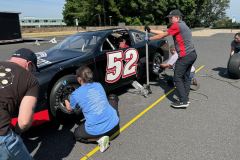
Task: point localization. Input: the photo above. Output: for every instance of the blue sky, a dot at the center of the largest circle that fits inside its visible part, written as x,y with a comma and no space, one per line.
53,8
234,10
34,8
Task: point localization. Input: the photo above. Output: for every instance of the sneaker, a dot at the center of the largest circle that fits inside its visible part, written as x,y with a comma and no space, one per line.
103,143
113,100
180,105
194,81
188,102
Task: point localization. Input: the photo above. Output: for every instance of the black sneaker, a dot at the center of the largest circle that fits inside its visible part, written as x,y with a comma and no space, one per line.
179,105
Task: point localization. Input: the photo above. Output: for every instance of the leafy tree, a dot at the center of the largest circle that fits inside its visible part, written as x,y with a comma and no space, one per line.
112,9
213,10
83,10
159,10
140,12
209,11
186,7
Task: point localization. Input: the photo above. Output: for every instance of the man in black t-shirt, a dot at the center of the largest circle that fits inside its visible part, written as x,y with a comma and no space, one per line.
235,45
18,97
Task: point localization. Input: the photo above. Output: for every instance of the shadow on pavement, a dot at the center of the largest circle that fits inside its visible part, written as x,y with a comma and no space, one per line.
222,72
55,141
50,141
165,81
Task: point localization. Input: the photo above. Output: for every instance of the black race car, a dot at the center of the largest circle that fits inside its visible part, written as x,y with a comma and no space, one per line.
113,64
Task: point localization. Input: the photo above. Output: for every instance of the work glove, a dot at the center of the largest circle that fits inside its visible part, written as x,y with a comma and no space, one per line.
147,40
147,28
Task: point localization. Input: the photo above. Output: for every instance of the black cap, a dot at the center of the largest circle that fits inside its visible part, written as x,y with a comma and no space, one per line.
28,55
175,12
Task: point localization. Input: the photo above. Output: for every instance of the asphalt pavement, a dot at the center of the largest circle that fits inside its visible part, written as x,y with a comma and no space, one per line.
208,129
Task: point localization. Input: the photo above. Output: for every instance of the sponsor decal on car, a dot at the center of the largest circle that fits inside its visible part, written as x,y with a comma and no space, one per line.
121,64
40,60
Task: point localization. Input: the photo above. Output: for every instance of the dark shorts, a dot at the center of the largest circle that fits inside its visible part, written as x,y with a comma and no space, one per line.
81,135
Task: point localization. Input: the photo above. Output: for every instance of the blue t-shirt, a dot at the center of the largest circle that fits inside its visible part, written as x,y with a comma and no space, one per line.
100,116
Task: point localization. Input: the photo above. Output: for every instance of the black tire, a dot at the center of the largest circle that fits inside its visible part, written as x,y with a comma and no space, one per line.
234,66
62,88
156,61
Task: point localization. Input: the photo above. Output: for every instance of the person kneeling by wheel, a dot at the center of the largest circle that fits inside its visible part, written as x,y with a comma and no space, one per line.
102,119
170,64
235,44
234,59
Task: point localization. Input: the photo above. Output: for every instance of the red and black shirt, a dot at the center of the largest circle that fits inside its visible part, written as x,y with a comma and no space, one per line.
182,37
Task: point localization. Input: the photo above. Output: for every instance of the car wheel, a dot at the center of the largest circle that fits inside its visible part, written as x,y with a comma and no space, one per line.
62,88
234,66
156,61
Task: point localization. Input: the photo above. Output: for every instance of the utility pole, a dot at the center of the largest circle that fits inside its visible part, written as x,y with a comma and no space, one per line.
110,20
76,22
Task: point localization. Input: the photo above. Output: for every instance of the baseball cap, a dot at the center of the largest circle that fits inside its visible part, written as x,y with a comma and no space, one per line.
28,55
175,12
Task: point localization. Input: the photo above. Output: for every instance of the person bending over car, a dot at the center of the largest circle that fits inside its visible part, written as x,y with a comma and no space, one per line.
101,118
171,65
18,96
235,45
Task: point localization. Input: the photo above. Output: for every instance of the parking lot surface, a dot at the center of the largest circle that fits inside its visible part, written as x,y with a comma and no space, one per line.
208,129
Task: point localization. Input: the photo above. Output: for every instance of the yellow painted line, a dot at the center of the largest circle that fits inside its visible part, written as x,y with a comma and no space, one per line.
199,68
92,152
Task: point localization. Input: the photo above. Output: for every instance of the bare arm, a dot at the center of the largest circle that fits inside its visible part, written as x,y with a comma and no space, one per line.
157,31
67,104
160,34
26,111
233,45
232,51
165,65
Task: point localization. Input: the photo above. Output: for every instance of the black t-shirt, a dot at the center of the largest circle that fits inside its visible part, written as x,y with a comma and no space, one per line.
235,46
15,83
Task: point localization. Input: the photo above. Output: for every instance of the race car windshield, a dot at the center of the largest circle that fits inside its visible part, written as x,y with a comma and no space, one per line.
81,43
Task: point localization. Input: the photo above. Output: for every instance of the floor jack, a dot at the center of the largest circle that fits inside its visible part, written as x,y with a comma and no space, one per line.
144,90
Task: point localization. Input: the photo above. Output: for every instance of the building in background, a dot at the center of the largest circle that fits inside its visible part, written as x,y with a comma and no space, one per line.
41,22
10,28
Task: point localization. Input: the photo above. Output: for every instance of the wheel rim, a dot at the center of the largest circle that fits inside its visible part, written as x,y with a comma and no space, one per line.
156,64
63,92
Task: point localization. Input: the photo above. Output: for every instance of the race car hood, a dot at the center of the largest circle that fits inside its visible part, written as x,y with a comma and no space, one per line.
56,56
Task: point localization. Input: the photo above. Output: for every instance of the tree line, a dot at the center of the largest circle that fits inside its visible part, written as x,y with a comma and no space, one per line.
140,12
